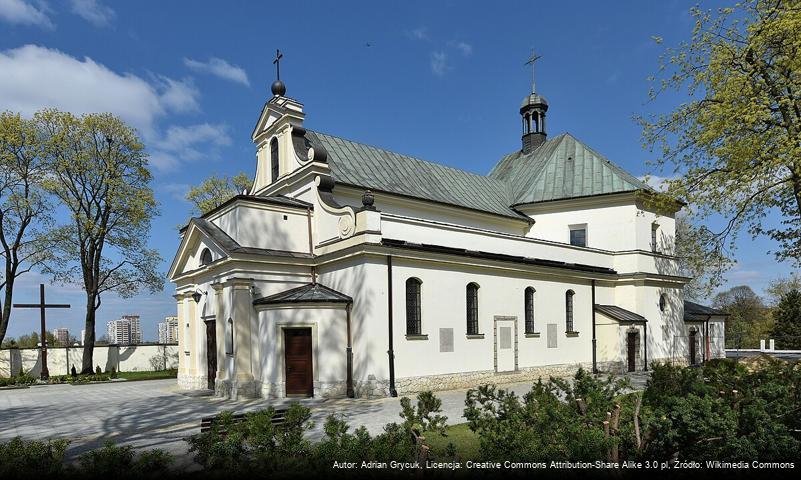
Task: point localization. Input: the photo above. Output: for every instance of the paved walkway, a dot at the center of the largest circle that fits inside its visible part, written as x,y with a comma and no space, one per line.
156,414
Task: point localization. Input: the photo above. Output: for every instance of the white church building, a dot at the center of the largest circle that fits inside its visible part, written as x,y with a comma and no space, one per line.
351,270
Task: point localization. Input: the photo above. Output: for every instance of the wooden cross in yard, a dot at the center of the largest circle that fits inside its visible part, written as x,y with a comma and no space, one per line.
42,306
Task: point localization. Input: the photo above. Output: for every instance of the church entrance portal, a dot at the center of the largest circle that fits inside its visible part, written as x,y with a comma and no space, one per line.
211,353
298,362
631,344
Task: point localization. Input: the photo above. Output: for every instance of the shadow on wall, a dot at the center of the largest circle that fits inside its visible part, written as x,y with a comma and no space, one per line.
60,360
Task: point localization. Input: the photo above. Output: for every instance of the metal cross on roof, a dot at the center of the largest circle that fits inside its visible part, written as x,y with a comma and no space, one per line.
534,57
277,63
42,306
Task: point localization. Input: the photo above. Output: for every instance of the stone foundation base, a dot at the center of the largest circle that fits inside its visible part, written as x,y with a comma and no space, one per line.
379,388
458,381
192,382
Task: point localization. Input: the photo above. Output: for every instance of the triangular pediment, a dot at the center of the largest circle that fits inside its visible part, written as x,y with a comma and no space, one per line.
194,241
277,108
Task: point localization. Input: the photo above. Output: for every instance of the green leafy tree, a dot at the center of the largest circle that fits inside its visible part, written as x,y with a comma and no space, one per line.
214,191
24,204
100,174
779,287
749,319
734,142
787,318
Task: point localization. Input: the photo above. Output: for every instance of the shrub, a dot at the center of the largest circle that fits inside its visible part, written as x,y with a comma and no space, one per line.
98,371
113,461
426,416
723,411
23,458
229,446
546,424
113,372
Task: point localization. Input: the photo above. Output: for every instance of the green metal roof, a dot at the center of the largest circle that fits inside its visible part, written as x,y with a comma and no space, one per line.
561,168
370,167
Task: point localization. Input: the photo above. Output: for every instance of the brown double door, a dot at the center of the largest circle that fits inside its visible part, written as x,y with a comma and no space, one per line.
211,353
298,362
632,351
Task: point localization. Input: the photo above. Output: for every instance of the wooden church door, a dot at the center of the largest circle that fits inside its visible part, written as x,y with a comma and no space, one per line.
211,353
632,351
298,362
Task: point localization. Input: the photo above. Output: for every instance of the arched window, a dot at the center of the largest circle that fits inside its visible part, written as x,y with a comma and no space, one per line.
472,309
205,257
569,310
274,160
529,308
413,315
662,302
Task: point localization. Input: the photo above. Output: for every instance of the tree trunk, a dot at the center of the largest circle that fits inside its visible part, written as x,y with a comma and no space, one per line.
5,316
89,341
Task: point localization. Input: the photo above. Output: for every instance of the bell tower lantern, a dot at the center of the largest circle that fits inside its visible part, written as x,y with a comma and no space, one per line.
533,111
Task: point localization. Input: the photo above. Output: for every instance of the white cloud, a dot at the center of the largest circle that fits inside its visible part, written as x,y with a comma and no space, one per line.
656,182
419,33
34,77
28,82
220,68
181,144
93,12
24,13
179,96
465,48
439,63
177,191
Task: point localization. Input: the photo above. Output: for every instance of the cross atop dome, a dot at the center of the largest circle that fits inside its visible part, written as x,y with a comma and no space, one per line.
278,88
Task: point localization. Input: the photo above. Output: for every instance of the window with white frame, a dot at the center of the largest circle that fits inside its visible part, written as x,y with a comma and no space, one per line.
578,235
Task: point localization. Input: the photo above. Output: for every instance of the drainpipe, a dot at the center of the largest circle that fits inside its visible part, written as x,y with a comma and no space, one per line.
349,353
391,352
645,345
311,246
594,340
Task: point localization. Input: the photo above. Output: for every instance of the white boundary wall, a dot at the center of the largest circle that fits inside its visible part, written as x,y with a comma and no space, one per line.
128,358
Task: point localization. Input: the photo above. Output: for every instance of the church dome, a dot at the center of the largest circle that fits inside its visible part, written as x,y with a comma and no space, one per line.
278,88
533,100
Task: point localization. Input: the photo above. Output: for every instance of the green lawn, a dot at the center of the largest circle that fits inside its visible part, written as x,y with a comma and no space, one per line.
466,442
135,376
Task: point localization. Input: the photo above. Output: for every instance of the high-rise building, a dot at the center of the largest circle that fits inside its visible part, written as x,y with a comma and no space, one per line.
168,330
61,336
125,331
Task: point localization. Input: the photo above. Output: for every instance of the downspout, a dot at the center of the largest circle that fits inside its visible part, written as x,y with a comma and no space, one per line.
645,345
349,353
311,246
391,352
594,340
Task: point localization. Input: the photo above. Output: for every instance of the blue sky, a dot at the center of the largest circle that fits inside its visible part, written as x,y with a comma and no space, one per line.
438,80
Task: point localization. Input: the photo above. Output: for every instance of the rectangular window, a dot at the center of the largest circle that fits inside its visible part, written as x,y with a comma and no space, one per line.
654,231
578,235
